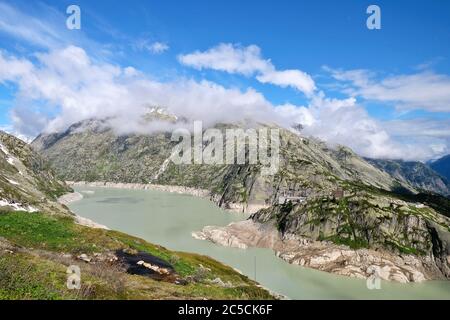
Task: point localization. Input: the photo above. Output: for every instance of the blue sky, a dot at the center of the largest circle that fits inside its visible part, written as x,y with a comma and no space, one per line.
391,86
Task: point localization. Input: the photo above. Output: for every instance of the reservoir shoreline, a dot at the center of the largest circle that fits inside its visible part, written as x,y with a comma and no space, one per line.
321,256
139,186
169,219
201,193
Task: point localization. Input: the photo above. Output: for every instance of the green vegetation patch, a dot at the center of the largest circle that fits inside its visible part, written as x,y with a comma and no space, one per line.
22,279
24,276
39,231
54,233
42,275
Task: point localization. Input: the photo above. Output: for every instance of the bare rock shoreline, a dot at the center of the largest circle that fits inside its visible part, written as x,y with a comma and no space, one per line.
202,193
324,256
137,186
70,197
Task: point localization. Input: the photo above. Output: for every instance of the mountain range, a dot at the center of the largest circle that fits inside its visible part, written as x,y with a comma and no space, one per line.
417,174
92,151
320,193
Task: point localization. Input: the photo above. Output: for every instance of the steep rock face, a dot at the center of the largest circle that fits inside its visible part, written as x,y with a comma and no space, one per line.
91,151
365,229
324,256
368,219
442,166
26,180
416,174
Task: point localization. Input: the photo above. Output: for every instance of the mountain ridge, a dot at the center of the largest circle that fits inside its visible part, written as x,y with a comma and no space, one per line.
417,174
97,153
442,166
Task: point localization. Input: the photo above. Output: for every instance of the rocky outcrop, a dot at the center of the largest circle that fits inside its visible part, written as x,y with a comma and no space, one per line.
325,256
370,219
358,233
440,238
241,235
26,181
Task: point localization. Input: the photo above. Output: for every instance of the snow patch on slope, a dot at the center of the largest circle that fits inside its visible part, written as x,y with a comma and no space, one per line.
10,159
13,182
17,206
4,150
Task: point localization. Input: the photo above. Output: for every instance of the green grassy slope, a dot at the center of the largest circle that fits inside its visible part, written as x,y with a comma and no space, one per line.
36,249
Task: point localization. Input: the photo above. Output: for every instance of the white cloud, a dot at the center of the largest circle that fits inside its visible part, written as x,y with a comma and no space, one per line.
80,88
65,86
229,58
12,68
289,78
344,122
156,47
347,123
425,90
431,128
430,137
248,61
25,27
10,130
